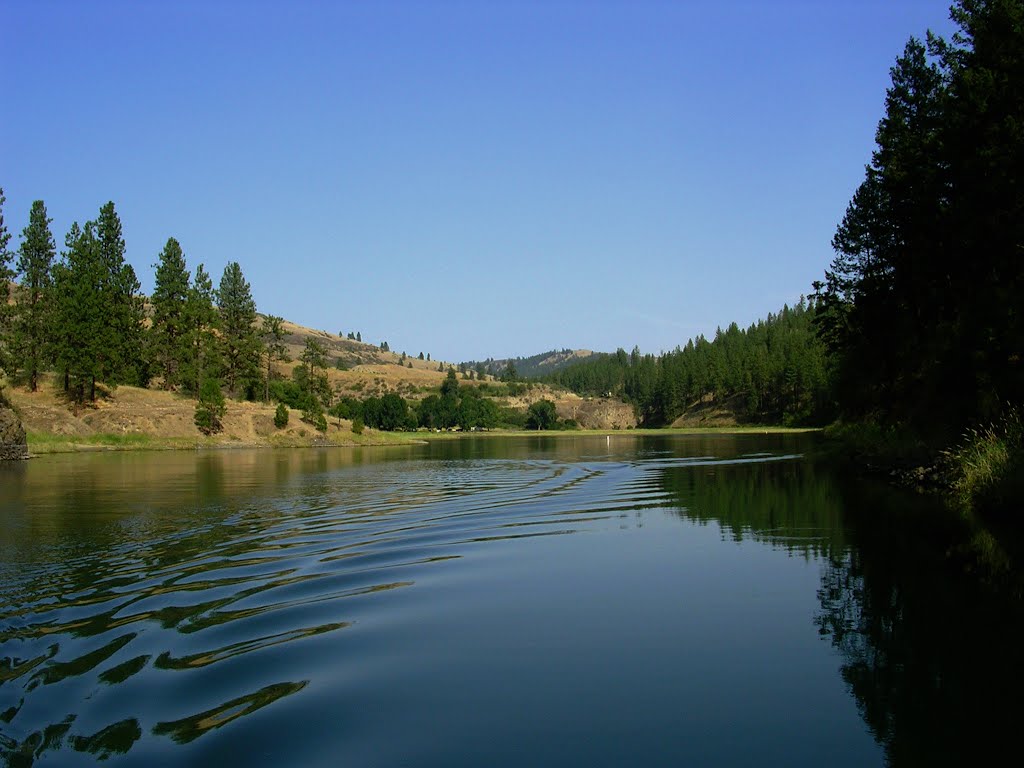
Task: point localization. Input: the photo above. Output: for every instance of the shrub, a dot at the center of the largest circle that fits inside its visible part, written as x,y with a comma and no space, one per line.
986,470
314,416
281,416
357,425
211,408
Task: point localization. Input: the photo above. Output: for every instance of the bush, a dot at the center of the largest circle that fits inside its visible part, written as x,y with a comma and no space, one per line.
211,407
986,471
281,416
314,416
357,426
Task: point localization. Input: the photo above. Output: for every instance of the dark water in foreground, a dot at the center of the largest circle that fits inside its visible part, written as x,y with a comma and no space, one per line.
580,601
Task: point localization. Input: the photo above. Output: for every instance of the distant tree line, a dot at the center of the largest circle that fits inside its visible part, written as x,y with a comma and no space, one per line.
535,366
777,366
466,408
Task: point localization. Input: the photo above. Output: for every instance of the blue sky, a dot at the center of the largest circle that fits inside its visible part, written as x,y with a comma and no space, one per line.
468,179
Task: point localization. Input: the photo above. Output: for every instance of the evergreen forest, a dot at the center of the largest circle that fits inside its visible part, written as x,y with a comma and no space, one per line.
776,369
922,308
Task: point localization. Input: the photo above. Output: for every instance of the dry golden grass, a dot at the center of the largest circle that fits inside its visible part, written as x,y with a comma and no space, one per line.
133,418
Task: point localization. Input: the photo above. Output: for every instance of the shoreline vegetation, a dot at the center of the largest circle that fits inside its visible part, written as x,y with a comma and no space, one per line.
42,443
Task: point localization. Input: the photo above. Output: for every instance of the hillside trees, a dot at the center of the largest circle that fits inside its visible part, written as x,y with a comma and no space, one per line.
169,338
240,344
778,367
921,305
311,376
33,307
272,333
6,275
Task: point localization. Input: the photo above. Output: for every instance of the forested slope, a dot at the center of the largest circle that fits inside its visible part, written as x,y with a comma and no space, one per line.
777,365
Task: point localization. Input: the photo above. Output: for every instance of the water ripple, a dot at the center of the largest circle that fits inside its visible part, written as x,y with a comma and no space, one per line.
218,598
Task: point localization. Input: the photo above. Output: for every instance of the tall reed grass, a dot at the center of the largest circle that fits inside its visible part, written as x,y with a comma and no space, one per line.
986,470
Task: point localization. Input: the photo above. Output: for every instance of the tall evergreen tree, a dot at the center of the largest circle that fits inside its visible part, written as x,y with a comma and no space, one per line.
201,359
314,384
79,312
6,275
33,306
921,305
120,350
240,344
169,339
272,332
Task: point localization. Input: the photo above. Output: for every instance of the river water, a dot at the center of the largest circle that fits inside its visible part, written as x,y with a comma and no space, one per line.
622,600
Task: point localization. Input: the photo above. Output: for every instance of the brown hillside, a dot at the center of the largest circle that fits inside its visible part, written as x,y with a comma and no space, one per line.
165,418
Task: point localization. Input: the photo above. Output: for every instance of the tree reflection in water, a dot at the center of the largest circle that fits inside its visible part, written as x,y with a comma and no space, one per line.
923,605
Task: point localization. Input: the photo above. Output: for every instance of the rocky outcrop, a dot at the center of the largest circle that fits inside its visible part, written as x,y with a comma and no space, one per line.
13,445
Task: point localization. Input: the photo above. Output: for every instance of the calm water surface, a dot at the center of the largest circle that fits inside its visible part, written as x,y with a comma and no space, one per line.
577,601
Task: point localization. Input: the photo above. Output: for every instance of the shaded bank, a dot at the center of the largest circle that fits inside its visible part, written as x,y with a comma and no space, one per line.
13,445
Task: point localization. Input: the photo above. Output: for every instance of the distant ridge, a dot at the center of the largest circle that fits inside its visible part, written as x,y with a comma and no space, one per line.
535,366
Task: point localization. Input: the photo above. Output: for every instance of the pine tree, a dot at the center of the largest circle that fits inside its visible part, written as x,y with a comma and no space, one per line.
210,408
314,358
120,342
201,359
273,348
79,312
33,307
921,304
169,337
240,344
281,416
6,275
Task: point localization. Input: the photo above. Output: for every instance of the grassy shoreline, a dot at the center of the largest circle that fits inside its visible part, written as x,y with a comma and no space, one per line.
725,430
43,443
982,472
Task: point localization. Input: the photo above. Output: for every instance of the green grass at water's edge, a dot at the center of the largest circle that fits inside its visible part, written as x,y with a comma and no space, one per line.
620,432
45,443
40,443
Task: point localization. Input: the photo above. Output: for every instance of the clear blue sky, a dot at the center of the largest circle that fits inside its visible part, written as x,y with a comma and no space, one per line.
468,179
